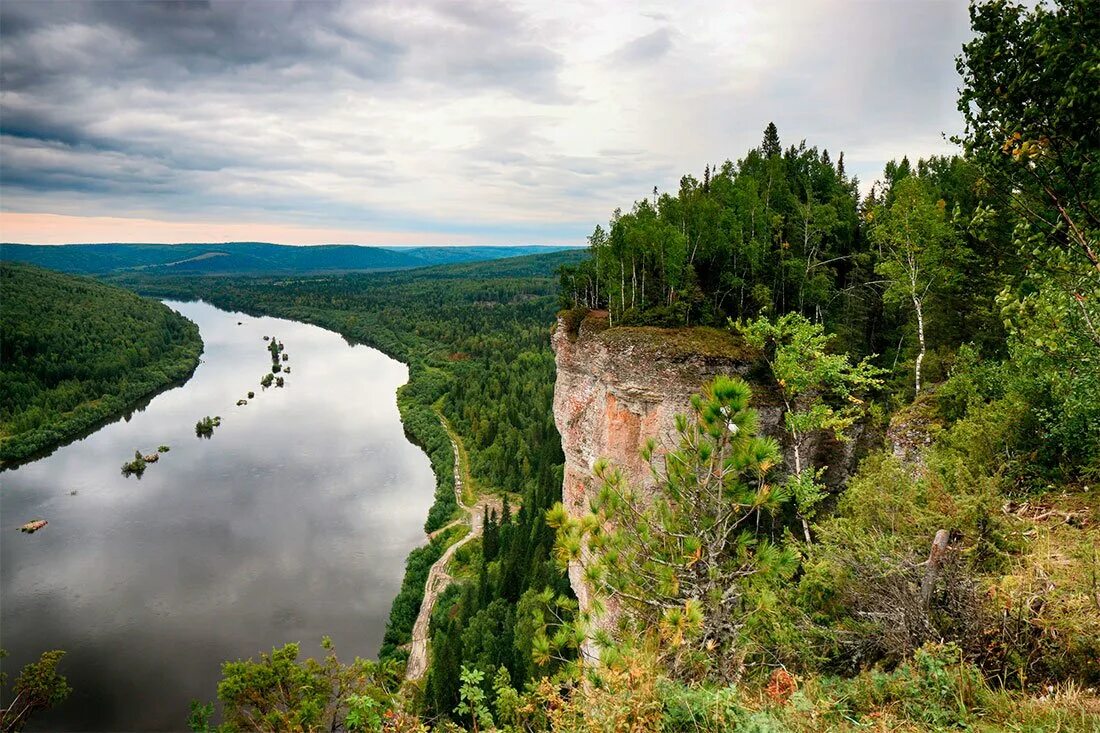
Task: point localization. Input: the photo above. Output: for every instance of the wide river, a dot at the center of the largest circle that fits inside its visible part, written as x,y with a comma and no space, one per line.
292,522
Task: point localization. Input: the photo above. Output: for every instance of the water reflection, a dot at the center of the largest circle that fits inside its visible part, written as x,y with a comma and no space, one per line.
292,522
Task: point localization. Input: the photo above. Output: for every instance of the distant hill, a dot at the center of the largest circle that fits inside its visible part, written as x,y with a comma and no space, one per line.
457,255
248,258
542,264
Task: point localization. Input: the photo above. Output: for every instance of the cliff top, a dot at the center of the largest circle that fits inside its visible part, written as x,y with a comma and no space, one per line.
669,343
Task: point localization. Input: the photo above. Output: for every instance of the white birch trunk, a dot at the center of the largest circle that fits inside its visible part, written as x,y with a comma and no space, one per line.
919,306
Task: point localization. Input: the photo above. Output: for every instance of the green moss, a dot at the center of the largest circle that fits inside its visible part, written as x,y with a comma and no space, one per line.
571,319
700,341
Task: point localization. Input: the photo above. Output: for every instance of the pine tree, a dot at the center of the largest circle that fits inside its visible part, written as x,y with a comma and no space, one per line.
678,562
770,147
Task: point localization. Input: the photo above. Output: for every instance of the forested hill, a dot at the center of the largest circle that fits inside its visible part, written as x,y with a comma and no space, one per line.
74,352
246,258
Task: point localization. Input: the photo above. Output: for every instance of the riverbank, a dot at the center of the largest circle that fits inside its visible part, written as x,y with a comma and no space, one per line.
418,402
477,336
474,507
79,354
227,547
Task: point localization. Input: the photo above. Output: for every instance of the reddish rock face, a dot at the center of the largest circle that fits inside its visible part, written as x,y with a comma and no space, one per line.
618,388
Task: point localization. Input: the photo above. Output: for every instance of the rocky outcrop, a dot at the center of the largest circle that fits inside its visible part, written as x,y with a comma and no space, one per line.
618,387
913,429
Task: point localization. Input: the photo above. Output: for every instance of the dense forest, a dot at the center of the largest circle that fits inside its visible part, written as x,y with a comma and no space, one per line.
951,583
76,352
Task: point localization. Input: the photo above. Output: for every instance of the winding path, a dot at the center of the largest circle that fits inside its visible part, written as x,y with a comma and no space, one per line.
438,578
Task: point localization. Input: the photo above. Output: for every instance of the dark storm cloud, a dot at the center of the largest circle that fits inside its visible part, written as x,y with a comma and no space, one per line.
165,42
176,85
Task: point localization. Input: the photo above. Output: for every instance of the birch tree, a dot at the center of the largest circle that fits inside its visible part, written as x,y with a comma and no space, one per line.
912,234
821,391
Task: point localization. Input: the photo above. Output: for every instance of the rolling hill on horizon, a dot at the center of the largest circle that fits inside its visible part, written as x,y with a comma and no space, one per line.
250,258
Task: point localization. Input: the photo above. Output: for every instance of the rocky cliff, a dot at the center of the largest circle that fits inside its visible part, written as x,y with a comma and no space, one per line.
617,387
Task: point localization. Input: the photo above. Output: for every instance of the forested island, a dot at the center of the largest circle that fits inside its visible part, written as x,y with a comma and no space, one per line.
76,352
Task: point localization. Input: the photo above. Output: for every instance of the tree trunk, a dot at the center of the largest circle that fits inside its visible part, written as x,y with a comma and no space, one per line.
633,280
933,566
597,277
622,283
919,306
798,472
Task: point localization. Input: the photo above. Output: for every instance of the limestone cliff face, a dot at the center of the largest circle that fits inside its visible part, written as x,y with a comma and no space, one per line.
618,387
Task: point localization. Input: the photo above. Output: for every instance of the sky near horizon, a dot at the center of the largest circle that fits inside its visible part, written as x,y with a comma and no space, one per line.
438,122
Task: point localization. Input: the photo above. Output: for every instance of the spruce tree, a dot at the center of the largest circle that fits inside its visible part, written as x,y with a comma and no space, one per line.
770,146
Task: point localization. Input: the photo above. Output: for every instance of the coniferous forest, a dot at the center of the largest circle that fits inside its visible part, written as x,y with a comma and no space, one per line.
947,320
76,352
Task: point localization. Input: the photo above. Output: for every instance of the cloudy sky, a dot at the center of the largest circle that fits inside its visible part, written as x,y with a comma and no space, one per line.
442,122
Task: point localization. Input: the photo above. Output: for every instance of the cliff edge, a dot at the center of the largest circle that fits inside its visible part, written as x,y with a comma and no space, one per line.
617,387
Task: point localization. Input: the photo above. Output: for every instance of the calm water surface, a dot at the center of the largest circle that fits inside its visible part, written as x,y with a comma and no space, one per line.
292,522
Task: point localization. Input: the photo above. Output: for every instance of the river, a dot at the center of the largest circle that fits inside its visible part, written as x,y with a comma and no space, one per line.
292,522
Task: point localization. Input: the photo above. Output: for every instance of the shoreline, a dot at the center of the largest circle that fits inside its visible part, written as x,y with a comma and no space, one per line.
90,417
421,426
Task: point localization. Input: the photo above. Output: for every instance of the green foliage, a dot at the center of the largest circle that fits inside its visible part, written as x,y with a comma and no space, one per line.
1030,101
774,232
135,467
280,693
76,352
38,687
472,699
406,605
205,428
364,713
821,391
917,245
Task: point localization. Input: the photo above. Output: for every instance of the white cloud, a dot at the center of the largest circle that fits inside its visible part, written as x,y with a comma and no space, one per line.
521,122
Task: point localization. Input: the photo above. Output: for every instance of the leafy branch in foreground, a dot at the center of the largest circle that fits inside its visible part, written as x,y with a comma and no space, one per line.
38,687
821,391
281,693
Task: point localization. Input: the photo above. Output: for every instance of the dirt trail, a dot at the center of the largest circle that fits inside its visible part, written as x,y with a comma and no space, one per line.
438,579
